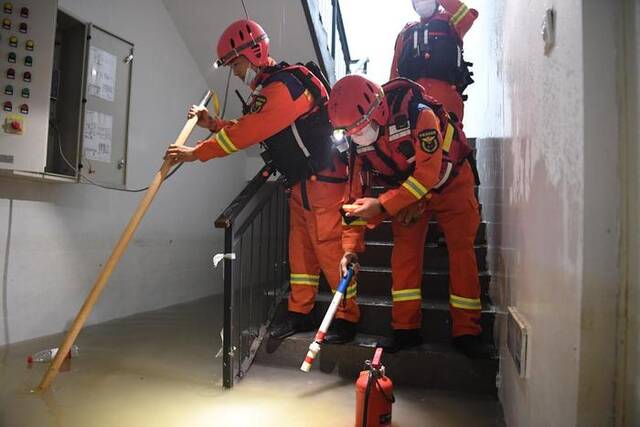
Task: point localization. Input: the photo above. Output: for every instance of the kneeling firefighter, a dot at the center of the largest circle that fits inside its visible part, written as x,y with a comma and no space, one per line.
396,131
287,114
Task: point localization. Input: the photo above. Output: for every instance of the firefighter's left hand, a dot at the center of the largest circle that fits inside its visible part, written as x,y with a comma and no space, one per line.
178,154
349,259
365,208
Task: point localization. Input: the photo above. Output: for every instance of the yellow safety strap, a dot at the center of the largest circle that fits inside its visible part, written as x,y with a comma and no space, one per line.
304,279
448,138
406,295
465,303
225,142
415,187
459,15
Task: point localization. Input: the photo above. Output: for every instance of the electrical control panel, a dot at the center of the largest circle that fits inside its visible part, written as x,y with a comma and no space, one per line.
65,91
27,33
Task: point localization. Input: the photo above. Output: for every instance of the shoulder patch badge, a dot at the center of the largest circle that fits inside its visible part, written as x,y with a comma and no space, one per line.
259,102
429,140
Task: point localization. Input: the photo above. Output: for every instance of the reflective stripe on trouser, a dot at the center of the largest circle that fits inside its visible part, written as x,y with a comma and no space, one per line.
457,213
315,244
406,271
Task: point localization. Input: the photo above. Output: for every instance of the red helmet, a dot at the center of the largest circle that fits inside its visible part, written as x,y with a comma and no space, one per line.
354,102
247,38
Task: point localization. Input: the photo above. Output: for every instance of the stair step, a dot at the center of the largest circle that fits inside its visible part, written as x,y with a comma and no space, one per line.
376,282
434,366
436,257
375,318
384,233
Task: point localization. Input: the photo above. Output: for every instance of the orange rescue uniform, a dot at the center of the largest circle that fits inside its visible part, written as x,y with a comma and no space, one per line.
315,226
460,18
456,210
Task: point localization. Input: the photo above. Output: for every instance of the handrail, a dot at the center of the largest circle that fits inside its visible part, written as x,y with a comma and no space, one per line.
254,274
230,214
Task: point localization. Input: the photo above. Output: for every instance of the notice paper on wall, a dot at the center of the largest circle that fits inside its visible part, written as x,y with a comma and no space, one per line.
102,74
98,131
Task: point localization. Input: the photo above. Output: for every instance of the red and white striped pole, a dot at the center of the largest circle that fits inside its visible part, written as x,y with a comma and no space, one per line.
314,347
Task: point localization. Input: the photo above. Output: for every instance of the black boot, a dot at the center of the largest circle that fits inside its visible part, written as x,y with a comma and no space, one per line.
401,340
340,332
473,347
291,323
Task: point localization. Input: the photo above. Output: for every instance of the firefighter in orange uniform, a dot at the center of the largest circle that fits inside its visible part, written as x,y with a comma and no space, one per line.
430,51
396,131
287,113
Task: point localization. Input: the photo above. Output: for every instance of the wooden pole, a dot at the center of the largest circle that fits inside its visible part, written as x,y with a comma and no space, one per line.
116,254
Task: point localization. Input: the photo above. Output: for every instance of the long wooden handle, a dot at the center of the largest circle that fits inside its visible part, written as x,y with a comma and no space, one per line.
116,254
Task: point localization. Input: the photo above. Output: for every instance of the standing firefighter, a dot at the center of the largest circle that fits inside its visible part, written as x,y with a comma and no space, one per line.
396,131
288,115
430,51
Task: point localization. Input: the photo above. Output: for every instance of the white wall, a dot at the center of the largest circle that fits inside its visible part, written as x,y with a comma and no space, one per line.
62,233
556,119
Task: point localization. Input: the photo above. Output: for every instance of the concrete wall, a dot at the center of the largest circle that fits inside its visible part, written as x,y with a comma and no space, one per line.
55,237
554,119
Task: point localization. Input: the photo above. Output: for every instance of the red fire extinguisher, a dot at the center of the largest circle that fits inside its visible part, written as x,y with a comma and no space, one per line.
374,394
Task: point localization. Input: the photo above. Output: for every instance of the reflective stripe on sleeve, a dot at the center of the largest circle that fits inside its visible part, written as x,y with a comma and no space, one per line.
225,142
459,15
415,187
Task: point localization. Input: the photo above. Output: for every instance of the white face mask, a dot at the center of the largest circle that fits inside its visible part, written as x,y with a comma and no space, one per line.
367,136
249,76
425,8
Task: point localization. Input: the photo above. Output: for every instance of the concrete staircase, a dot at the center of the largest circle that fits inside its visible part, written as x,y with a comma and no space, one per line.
435,364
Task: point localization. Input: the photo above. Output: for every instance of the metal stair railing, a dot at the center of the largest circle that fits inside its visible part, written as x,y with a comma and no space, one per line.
255,277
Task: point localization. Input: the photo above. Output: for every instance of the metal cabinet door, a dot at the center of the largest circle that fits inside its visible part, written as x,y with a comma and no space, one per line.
106,110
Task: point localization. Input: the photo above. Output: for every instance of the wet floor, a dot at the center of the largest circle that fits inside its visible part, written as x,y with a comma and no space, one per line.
159,369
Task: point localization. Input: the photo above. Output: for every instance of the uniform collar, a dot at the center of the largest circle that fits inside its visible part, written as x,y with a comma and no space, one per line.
263,74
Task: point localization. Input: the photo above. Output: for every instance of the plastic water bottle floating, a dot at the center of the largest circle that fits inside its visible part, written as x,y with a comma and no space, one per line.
48,355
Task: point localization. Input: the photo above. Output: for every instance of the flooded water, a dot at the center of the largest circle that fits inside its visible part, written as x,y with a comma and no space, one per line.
158,369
